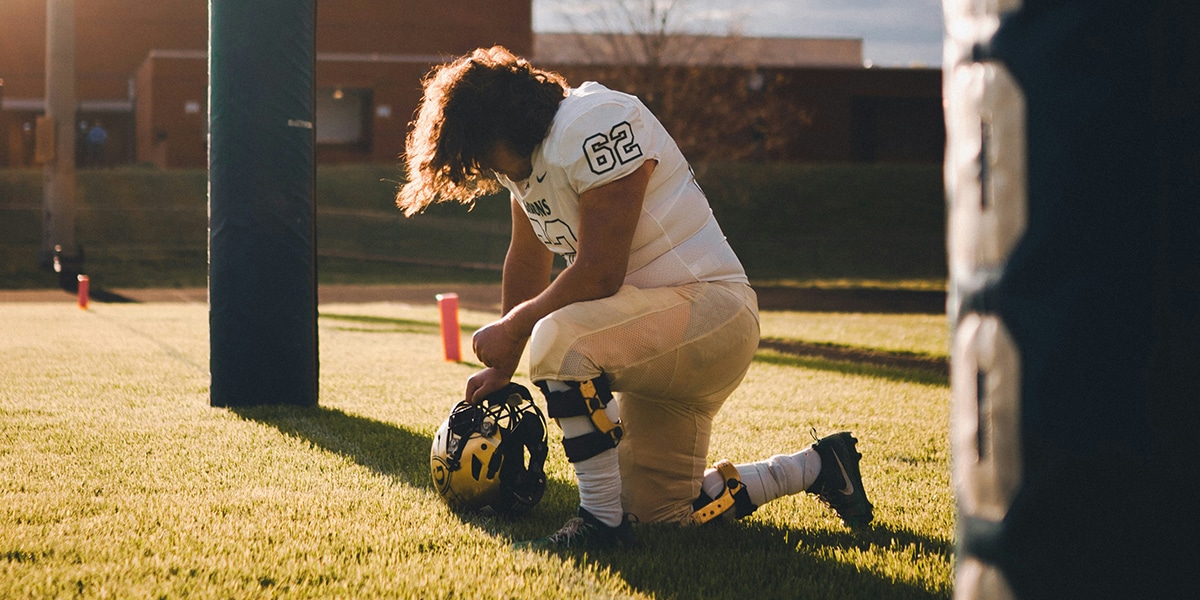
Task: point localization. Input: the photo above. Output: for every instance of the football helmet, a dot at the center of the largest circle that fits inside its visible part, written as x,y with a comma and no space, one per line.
490,457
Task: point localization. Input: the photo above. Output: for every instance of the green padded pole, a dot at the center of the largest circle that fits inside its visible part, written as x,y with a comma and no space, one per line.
262,239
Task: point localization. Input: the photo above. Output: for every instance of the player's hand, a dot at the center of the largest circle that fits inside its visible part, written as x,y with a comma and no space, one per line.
485,382
496,347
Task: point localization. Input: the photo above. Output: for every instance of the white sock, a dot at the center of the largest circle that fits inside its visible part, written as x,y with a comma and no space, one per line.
600,487
776,477
599,476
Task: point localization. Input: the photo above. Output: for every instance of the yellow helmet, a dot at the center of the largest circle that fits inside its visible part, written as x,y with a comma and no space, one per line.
491,456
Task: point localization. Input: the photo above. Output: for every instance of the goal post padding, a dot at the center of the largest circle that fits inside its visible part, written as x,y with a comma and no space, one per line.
262,238
1073,181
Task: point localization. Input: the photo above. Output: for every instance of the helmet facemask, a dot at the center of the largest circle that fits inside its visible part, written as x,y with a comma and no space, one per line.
490,457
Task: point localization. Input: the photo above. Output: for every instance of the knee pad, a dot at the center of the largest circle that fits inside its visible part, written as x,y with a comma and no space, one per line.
733,496
585,399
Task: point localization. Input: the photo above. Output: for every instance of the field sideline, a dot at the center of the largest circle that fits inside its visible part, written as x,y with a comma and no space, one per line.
118,480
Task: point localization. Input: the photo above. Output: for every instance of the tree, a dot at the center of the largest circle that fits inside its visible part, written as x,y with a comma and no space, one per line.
716,103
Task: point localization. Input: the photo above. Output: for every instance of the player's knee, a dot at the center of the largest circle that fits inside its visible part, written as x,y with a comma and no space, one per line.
584,399
733,501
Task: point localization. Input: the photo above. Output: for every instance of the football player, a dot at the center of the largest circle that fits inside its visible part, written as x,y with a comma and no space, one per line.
641,338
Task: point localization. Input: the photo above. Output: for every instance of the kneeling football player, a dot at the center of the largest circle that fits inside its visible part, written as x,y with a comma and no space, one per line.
637,343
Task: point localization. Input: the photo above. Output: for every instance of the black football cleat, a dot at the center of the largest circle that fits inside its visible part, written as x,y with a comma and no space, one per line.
839,484
584,531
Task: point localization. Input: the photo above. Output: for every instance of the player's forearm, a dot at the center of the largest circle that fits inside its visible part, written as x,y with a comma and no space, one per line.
524,278
527,263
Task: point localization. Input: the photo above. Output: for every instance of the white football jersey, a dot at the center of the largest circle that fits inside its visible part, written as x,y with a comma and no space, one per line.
598,136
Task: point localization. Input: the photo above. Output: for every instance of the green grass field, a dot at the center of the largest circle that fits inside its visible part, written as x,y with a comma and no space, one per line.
118,480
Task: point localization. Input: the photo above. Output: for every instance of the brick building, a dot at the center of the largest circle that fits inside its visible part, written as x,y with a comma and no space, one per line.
142,71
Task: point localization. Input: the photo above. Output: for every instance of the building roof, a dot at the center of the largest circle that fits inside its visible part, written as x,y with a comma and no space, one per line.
616,48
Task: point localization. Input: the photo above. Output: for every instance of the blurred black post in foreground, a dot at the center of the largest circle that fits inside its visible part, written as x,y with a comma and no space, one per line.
1073,175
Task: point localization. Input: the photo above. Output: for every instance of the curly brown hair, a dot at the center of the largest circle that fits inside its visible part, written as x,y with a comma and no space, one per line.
470,104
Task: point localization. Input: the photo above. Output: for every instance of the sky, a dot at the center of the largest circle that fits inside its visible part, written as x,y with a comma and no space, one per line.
895,33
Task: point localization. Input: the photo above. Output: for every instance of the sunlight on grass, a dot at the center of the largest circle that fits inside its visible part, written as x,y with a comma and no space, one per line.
923,334
118,479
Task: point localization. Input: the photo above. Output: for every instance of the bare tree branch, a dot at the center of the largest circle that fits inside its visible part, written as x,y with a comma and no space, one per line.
716,106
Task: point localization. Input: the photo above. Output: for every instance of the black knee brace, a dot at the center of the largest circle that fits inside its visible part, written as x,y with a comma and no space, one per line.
585,399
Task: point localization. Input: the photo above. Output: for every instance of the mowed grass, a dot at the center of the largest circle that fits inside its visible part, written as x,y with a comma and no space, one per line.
118,480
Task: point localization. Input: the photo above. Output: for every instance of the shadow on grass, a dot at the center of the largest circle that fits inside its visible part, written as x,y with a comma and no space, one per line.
895,367
848,367
102,295
758,561
892,359
754,560
388,449
740,560
385,448
392,325
95,294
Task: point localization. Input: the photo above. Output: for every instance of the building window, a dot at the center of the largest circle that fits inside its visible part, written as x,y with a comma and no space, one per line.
343,115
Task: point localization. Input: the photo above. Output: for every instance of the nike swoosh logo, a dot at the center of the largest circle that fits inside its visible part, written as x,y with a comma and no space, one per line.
849,489
543,176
